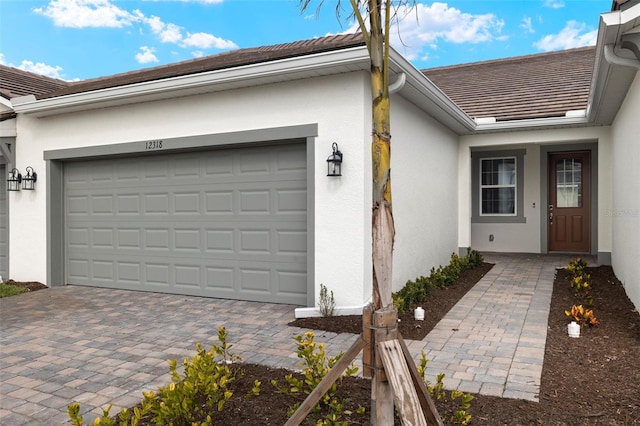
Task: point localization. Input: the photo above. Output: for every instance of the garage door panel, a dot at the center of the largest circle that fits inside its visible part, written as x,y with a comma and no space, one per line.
254,202
226,223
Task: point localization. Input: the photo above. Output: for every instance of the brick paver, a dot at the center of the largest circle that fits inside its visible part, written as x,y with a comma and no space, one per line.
102,346
493,340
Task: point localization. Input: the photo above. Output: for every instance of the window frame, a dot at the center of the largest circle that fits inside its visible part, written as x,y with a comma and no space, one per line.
476,187
513,185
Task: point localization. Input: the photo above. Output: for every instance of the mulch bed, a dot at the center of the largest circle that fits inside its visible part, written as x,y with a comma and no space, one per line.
440,301
29,285
591,380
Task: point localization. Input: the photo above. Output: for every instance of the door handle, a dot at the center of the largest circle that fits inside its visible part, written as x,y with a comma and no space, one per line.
550,214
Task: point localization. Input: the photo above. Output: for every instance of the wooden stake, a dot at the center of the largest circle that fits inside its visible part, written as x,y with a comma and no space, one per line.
385,322
405,396
368,354
429,408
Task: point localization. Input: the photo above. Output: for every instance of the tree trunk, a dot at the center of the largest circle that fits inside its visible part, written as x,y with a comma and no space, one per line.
382,219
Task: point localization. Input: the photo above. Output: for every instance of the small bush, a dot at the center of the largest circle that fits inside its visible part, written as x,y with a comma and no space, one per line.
327,303
582,316
417,291
203,387
317,365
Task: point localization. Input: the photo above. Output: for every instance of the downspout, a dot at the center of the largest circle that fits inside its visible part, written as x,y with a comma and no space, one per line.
613,59
399,83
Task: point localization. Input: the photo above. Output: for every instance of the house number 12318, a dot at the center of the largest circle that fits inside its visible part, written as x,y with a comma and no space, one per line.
153,145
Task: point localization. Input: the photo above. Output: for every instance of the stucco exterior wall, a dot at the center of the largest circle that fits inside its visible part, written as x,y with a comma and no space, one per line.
526,237
424,183
334,103
625,209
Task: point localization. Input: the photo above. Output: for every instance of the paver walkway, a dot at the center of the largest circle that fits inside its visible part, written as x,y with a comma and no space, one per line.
492,342
101,347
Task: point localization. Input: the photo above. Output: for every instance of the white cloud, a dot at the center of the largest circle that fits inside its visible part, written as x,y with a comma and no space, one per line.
146,55
574,34
42,69
168,33
104,13
554,4
37,68
205,41
86,13
426,25
526,25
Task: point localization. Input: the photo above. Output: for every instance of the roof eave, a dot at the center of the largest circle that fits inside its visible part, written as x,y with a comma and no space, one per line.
325,63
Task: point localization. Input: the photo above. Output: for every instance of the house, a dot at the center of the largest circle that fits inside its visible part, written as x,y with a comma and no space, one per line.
209,177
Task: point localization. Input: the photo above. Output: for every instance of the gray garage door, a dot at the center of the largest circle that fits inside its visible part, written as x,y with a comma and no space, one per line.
4,230
229,223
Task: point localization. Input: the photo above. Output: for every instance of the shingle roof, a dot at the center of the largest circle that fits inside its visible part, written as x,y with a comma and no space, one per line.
220,61
15,82
524,87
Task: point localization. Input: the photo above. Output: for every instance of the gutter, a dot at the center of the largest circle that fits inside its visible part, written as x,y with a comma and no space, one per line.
613,59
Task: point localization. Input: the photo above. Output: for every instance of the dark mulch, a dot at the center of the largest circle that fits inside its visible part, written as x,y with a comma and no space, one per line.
440,301
29,285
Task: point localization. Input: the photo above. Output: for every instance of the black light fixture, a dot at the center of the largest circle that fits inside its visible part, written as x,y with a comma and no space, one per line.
14,180
334,162
29,181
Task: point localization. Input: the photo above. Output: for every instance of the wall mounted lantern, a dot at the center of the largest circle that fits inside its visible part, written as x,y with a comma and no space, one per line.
15,178
29,181
334,162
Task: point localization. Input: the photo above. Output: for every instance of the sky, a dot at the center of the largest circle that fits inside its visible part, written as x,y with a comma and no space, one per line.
80,39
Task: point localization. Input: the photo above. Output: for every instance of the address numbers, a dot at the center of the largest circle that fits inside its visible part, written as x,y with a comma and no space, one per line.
152,145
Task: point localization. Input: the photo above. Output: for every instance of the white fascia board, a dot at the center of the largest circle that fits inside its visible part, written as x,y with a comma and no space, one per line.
6,103
325,63
531,124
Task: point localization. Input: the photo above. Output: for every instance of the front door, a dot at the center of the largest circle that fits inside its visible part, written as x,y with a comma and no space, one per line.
569,207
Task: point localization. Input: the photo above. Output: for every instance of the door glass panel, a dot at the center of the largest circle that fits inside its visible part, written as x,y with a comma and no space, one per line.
569,183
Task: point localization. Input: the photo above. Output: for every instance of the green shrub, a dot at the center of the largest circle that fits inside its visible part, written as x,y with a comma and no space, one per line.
317,365
202,388
415,292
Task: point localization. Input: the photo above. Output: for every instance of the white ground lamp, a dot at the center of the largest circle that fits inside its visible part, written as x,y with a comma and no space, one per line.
334,162
14,180
29,181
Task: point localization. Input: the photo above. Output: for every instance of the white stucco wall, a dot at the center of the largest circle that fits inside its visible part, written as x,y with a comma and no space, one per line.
526,237
424,191
334,103
625,209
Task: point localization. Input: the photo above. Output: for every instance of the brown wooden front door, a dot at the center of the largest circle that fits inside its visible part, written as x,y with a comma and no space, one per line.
569,208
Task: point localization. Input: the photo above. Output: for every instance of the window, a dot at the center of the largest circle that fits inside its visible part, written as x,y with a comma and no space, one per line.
497,182
498,186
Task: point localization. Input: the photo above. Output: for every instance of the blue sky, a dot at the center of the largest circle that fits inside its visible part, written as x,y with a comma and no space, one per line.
80,39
